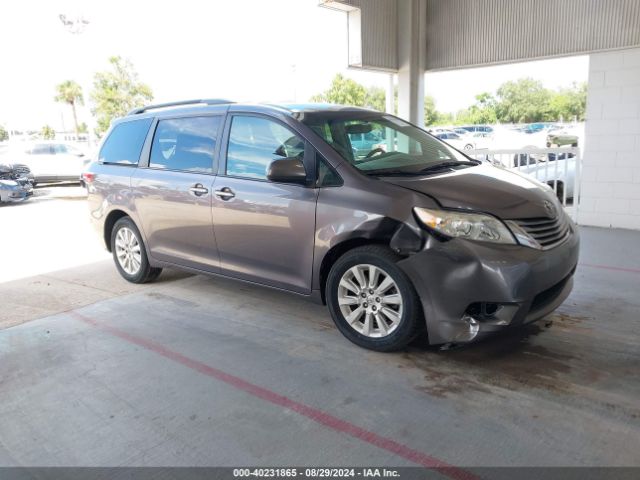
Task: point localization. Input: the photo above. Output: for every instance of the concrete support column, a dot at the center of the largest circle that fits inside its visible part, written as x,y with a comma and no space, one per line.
390,96
412,27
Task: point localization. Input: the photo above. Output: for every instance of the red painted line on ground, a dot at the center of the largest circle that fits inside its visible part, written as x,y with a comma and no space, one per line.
270,396
609,267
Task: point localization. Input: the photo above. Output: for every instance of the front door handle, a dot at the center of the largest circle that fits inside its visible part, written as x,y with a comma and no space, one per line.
198,190
225,193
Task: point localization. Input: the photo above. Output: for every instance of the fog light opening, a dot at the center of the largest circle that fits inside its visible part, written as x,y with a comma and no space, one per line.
483,311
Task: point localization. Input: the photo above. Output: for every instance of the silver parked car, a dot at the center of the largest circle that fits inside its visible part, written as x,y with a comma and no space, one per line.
397,241
49,161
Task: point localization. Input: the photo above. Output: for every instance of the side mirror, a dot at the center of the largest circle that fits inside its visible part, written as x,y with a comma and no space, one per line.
287,170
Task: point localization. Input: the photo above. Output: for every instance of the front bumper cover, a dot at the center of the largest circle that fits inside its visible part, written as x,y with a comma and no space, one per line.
527,283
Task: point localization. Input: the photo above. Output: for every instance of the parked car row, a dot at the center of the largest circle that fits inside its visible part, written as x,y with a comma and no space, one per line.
540,135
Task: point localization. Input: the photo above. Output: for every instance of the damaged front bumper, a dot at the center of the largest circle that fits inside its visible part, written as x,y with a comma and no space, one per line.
471,289
15,191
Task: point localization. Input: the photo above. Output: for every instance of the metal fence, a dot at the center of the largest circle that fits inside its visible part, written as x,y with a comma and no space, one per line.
557,167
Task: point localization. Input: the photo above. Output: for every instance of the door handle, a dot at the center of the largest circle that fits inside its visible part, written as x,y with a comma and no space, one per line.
225,193
198,190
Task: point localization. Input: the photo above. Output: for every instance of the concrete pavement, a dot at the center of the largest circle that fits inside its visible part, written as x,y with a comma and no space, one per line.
200,371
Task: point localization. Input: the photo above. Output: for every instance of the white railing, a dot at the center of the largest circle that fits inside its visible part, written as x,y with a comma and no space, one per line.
557,167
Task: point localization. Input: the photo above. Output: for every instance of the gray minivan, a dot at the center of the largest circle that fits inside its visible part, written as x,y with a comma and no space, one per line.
411,236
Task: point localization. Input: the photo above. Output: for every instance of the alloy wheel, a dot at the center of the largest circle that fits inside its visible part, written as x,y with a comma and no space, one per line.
128,251
370,300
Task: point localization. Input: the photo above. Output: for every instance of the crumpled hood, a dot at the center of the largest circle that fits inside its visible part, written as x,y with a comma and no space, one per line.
485,188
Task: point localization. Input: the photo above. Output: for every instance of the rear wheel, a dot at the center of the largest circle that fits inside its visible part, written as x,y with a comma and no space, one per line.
372,301
129,253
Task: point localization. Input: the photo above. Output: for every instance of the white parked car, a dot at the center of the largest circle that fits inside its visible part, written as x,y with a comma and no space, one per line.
49,161
557,170
457,141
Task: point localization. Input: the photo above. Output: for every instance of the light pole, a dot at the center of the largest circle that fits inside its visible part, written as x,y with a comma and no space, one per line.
76,25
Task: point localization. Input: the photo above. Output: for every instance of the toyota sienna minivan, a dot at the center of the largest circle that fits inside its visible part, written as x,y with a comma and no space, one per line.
408,237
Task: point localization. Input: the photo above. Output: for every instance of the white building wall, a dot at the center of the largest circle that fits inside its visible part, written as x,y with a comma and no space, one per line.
610,193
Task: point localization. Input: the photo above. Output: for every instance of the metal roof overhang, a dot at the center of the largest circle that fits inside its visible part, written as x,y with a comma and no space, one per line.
469,33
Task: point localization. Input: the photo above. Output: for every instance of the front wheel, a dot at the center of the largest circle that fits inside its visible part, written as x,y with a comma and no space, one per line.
129,253
372,301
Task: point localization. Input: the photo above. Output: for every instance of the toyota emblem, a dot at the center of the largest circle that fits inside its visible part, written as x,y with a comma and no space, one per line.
551,210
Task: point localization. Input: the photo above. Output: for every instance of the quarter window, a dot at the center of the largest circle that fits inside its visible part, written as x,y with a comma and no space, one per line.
255,142
185,144
124,144
327,176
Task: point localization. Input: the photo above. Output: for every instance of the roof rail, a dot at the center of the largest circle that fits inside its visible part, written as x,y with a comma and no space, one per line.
206,101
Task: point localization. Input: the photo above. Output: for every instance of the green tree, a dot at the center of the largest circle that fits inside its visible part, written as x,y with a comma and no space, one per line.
116,91
343,91
483,111
375,98
4,135
523,101
82,128
569,103
431,114
70,92
47,133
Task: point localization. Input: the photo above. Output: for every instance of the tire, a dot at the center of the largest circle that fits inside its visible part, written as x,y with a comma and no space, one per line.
468,146
127,243
403,321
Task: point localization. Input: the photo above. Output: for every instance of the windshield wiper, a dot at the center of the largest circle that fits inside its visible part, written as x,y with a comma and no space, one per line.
412,173
390,173
442,165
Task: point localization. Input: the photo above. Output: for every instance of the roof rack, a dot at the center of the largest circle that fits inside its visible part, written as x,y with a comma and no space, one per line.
206,101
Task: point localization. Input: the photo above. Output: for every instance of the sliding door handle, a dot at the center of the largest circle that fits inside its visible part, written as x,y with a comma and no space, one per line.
198,190
224,193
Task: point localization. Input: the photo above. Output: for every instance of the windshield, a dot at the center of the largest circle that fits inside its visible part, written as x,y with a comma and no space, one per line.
379,144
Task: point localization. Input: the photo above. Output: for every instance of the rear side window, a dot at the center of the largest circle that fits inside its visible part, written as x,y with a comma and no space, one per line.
124,144
185,144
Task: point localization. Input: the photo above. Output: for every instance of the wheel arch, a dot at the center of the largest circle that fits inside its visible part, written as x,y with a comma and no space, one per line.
336,251
109,223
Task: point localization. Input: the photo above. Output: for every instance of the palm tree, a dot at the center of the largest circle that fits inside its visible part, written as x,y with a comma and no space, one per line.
71,93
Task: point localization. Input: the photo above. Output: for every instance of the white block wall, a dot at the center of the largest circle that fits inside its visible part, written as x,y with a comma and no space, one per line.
610,192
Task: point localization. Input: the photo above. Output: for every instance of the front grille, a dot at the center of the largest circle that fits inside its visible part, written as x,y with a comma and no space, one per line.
548,232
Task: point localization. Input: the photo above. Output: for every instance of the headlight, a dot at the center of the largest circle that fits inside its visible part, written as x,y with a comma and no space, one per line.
472,226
